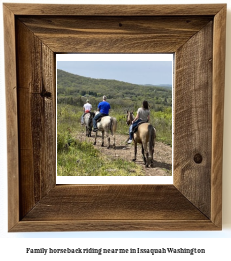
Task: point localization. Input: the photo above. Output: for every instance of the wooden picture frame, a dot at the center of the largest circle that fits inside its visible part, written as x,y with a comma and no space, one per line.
33,34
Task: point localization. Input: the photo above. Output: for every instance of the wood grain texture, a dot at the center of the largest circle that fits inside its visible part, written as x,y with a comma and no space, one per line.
193,125
115,10
115,34
114,202
36,105
194,201
218,114
12,114
114,207
114,225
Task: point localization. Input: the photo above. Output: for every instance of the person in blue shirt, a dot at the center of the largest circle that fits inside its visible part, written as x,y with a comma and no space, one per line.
103,108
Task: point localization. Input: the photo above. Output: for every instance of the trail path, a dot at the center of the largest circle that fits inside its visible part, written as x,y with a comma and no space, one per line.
162,153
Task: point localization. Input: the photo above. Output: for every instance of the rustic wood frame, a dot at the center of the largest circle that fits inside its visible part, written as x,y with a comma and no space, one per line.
33,34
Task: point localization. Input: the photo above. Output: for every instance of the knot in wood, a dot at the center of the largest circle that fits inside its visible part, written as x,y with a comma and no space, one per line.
45,94
198,158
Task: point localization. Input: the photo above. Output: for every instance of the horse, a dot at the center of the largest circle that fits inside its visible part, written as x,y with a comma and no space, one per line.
106,124
145,133
88,122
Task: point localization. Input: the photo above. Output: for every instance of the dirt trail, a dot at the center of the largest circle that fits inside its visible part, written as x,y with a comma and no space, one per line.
162,153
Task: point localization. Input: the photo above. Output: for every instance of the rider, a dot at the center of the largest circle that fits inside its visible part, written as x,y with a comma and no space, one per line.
103,108
86,108
143,114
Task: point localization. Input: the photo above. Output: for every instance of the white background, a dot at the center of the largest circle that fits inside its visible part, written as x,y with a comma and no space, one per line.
13,245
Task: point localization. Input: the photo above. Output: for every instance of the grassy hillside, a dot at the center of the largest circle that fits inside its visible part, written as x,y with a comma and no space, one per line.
74,89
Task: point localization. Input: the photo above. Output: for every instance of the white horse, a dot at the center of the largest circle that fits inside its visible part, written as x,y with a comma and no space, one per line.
106,124
87,120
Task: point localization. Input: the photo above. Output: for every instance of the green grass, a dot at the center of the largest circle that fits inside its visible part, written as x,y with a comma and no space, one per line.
162,121
82,159
76,158
69,120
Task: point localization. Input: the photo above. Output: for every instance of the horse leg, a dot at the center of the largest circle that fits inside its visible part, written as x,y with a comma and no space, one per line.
151,160
146,154
151,152
102,139
135,150
108,139
113,130
144,159
114,141
95,137
152,138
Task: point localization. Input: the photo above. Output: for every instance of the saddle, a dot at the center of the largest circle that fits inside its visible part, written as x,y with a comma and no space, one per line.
135,128
99,119
92,114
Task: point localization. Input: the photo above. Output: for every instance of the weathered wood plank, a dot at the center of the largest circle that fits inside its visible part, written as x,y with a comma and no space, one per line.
114,225
48,147
113,202
193,126
110,44
28,47
11,116
36,104
115,34
218,115
77,25
27,182
115,10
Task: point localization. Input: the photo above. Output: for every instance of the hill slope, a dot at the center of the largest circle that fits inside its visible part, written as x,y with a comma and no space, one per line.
74,89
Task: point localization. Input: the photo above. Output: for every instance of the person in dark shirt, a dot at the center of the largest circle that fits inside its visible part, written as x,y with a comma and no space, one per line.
103,108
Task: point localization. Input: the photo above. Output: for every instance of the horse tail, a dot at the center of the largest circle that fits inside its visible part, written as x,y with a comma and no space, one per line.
152,136
113,124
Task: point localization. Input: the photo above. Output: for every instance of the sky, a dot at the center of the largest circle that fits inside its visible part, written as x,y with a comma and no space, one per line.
132,68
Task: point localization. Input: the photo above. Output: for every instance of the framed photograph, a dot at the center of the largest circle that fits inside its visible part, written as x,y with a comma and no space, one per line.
34,34
127,81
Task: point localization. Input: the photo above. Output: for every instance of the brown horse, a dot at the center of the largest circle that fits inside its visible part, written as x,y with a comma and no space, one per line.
146,133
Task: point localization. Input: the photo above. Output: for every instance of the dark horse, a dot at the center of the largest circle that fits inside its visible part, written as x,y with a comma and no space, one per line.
145,133
88,119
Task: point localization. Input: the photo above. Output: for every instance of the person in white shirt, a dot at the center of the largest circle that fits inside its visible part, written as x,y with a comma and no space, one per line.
86,108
